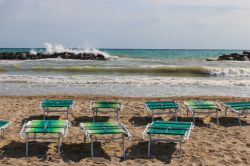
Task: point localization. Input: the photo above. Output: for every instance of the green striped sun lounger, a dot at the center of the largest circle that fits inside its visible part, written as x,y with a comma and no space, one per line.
105,106
3,125
179,130
52,106
35,130
240,108
202,107
94,130
162,107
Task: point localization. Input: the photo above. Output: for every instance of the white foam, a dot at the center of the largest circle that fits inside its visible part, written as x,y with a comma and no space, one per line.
59,48
137,80
229,72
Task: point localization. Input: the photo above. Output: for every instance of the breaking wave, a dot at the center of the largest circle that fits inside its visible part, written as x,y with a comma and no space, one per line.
138,80
59,48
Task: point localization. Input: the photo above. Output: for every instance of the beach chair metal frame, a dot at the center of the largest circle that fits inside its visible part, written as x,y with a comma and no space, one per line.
4,126
56,104
56,136
164,130
240,108
91,136
94,110
211,108
157,110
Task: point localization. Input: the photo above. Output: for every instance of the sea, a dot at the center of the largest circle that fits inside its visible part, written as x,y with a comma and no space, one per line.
129,72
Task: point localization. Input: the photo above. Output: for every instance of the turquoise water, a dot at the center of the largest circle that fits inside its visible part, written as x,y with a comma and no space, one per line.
130,72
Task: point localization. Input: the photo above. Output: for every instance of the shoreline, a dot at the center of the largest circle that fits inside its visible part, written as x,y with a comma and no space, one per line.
209,143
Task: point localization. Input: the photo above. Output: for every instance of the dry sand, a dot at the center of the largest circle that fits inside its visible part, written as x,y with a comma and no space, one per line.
209,144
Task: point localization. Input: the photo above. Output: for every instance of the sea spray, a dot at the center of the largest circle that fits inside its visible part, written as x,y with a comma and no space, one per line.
59,48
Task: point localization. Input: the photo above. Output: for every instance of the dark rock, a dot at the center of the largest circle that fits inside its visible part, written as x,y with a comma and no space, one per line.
235,56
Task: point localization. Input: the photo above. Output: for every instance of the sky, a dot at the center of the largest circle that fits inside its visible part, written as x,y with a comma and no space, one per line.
166,24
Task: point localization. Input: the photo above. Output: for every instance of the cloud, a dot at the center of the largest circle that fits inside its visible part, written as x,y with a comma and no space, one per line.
122,23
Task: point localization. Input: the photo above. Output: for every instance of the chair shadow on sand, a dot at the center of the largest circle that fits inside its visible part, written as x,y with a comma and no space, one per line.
159,150
230,121
40,117
142,120
83,119
78,151
17,150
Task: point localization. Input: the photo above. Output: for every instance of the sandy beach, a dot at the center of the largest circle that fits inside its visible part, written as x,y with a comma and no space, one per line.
209,144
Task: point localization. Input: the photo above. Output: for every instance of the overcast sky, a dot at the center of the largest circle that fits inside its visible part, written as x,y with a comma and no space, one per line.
126,23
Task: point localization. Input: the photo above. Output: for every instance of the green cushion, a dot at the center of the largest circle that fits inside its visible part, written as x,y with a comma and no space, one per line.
57,103
169,127
201,104
161,104
3,123
238,105
47,123
106,104
45,126
103,127
43,130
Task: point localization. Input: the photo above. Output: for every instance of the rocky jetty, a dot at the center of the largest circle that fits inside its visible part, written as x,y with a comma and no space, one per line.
63,55
245,56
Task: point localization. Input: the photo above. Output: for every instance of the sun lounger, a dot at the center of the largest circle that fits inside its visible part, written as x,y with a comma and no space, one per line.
105,106
181,130
4,124
50,130
56,106
162,107
240,108
91,131
202,107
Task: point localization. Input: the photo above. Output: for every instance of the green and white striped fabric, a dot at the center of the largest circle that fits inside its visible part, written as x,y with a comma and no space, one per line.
238,105
103,127
194,104
169,128
106,104
56,103
161,105
46,126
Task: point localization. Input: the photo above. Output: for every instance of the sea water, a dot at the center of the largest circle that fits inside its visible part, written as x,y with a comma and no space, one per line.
131,72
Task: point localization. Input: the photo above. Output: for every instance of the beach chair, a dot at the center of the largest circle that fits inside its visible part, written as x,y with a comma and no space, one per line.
105,106
95,131
162,107
48,130
202,107
3,125
56,106
240,108
179,131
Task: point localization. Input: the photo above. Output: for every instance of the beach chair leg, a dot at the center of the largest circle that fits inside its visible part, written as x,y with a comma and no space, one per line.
217,118
194,118
92,148
226,111
149,145
239,119
187,112
123,147
44,115
180,153
117,116
93,116
3,134
67,113
176,115
27,144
